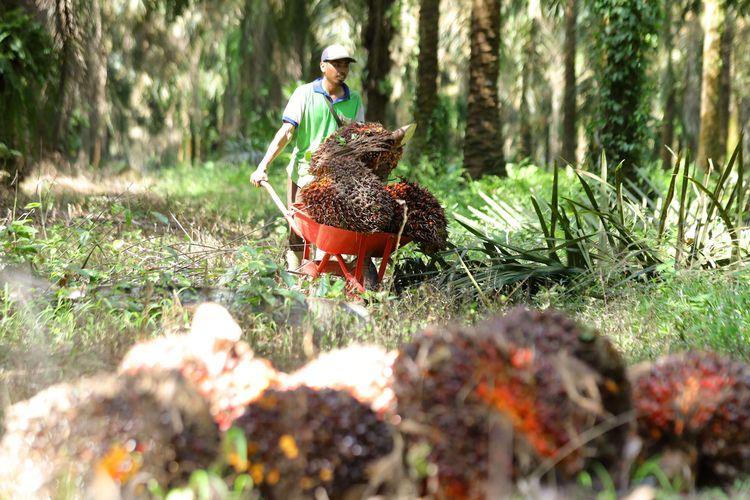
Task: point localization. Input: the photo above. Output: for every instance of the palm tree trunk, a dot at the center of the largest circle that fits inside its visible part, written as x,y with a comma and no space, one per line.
709,145
378,35
725,81
256,61
668,99
65,20
526,149
97,71
691,103
427,75
483,149
569,129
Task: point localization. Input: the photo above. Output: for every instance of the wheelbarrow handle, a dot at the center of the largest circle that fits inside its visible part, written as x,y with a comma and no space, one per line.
274,196
287,213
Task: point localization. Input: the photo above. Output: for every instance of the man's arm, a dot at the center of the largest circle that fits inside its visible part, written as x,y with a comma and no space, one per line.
281,139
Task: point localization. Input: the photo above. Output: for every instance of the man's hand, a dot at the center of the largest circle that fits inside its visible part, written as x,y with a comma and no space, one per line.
259,176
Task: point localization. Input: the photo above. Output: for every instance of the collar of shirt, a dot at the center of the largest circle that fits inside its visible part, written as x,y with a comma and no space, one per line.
318,87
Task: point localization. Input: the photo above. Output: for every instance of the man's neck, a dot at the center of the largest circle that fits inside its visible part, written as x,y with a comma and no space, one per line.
333,89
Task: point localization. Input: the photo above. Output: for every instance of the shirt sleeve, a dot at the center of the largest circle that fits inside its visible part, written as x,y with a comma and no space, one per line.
295,108
360,117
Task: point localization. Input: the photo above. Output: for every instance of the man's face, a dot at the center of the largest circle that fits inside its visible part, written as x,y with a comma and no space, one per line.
335,71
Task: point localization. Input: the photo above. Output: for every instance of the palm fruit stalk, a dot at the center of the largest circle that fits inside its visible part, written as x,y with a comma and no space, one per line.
349,197
222,367
696,406
553,333
303,439
425,217
106,434
365,372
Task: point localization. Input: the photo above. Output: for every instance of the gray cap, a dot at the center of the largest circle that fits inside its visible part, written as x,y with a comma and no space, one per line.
335,52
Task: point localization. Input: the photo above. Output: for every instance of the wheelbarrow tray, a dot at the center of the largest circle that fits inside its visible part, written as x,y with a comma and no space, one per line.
334,240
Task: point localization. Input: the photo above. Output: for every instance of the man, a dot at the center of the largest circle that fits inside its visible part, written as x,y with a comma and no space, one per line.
308,120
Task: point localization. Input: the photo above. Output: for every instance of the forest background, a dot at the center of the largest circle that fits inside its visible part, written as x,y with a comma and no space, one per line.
589,154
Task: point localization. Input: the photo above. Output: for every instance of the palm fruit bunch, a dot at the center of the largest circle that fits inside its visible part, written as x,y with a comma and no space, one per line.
553,333
302,440
369,144
425,218
431,375
106,436
455,382
696,406
212,356
351,197
365,372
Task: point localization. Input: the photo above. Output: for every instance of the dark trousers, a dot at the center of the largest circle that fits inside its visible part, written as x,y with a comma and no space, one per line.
296,243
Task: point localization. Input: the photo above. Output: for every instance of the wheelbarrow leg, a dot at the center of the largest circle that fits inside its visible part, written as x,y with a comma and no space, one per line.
351,279
359,269
306,251
323,262
384,262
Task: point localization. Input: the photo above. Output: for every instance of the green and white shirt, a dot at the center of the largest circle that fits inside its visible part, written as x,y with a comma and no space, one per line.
308,112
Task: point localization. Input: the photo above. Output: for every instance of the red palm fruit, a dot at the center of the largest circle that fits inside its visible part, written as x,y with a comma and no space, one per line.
431,375
425,220
301,440
697,403
110,431
553,333
454,382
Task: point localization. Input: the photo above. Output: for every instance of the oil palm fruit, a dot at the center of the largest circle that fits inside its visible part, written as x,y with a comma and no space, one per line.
456,383
553,333
106,435
696,406
425,217
303,439
371,144
350,198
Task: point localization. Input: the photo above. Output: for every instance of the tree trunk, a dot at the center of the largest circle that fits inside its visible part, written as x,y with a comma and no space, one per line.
256,66
297,14
569,129
230,121
709,146
691,105
668,94
97,71
64,99
526,148
725,82
427,84
67,30
195,112
378,35
483,151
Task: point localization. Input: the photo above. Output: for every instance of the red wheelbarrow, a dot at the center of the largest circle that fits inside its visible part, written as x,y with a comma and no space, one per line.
336,242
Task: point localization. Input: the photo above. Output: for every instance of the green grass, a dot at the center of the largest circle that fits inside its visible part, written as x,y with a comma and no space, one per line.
689,310
127,258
